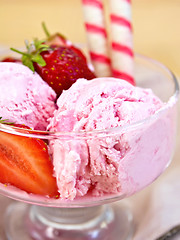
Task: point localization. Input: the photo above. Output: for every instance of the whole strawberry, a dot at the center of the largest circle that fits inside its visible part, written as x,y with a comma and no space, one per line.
63,67
57,61
58,39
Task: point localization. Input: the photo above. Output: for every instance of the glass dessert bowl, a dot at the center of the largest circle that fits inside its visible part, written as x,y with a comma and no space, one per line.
141,150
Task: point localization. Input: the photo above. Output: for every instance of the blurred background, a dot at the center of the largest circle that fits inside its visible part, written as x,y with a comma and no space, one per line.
155,23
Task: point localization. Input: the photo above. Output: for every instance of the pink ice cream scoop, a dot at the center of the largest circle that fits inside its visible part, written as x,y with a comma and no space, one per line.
112,156
25,97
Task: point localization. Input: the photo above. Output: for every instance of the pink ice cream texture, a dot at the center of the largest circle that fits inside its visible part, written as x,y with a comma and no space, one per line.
25,97
120,160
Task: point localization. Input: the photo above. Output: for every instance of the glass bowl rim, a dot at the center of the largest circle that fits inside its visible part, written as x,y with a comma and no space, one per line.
86,134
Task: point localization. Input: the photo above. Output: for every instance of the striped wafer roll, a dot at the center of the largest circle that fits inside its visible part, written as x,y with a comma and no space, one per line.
121,40
97,36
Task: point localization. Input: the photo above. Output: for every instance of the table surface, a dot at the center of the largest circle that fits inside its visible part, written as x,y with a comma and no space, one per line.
156,34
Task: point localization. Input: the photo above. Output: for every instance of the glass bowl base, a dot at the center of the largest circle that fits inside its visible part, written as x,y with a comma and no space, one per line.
31,222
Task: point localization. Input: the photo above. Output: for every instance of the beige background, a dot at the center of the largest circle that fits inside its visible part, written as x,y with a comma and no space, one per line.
156,34
156,24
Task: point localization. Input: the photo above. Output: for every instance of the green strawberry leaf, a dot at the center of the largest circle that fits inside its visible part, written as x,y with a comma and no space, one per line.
38,59
28,62
33,53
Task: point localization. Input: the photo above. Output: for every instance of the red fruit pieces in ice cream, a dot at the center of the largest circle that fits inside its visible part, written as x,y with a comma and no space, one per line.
25,163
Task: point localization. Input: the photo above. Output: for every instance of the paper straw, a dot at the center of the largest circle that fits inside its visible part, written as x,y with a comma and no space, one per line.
97,37
122,56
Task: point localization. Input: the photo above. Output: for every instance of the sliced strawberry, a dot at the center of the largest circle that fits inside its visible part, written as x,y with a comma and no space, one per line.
25,164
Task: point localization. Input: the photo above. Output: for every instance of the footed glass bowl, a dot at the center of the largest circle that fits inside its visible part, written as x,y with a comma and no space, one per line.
145,149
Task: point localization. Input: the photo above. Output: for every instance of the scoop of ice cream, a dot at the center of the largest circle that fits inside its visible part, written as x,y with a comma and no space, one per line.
24,97
120,160
101,104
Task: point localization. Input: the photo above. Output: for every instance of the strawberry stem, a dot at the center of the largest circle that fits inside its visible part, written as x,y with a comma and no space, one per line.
17,51
45,30
5,121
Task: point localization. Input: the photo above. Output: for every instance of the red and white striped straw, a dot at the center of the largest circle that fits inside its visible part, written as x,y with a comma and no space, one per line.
97,37
122,55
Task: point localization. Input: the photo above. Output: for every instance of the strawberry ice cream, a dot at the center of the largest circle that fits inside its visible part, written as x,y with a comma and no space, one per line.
110,155
25,97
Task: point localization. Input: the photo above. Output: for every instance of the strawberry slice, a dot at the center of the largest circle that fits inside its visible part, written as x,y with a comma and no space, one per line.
25,164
